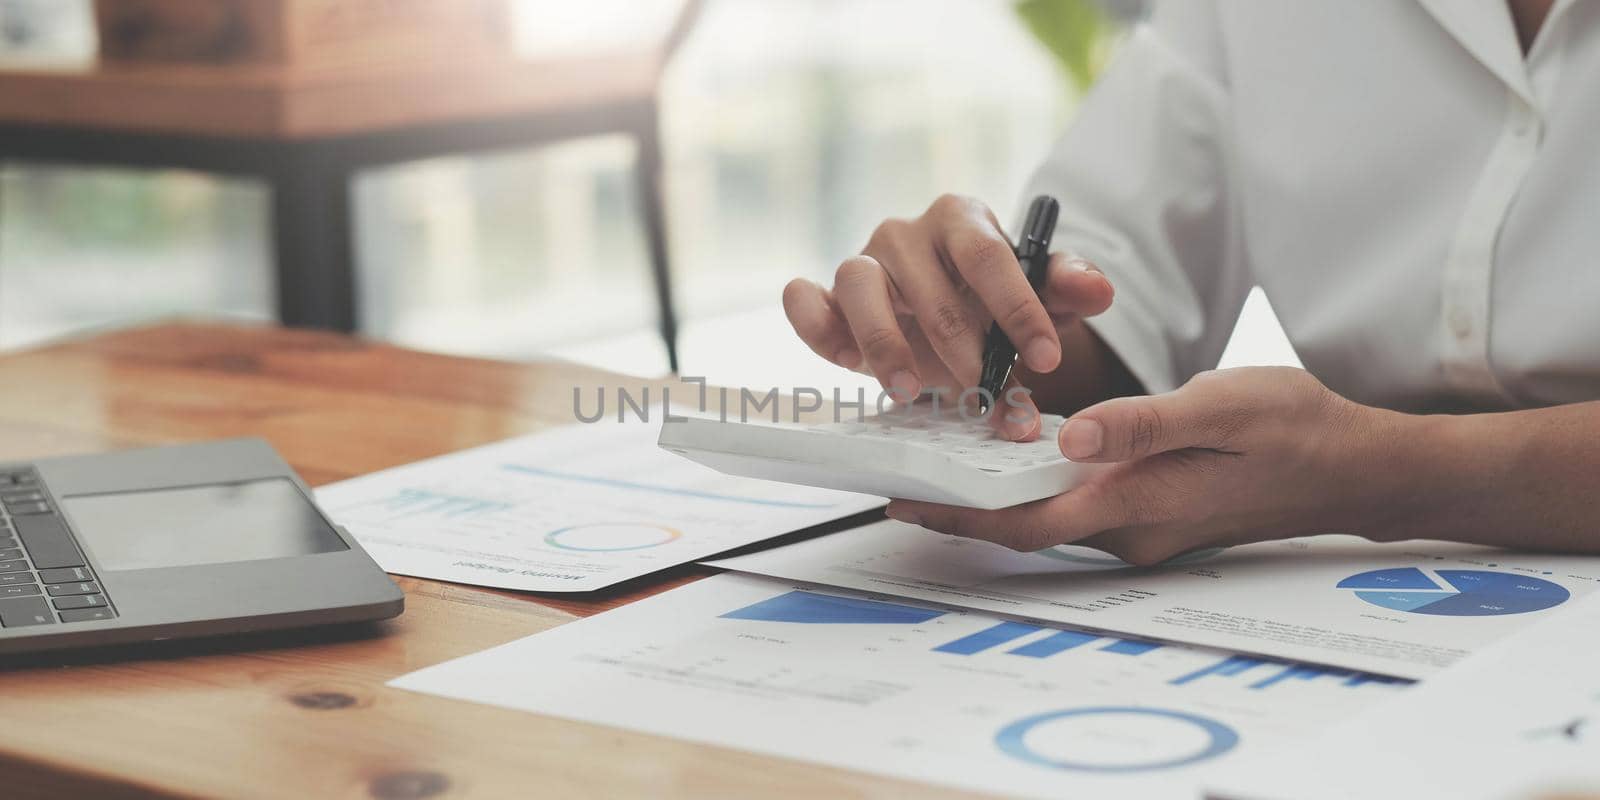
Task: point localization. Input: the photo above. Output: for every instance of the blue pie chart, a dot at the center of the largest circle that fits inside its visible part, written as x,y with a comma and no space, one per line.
1455,592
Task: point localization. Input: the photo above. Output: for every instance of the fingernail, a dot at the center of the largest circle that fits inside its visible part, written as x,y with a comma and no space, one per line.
1082,438
1018,430
904,386
902,515
1042,354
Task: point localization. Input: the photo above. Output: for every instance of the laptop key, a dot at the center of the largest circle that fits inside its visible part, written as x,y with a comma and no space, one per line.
86,614
29,496
48,542
11,578
19,590
66,589
69,575
20,612
10,553
27,509
81,601
13,566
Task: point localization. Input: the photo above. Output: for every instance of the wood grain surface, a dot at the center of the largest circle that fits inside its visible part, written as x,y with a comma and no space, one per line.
306,714
289,103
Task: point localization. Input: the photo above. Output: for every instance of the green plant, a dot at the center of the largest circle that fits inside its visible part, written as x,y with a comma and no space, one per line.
1078,33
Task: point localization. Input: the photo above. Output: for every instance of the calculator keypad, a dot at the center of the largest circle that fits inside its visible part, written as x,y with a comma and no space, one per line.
972,442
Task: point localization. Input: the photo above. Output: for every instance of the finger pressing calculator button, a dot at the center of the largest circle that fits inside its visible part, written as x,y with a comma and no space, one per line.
81,601
19,590
86,614
69,575
18,612
67,589
13,566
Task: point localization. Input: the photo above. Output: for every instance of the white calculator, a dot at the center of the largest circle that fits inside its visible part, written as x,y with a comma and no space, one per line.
941,458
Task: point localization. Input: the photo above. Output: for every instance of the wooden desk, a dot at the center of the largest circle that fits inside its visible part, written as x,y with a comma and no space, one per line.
307,132
309,716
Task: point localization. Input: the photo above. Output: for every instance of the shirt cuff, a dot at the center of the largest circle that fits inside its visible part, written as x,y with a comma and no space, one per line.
1143,351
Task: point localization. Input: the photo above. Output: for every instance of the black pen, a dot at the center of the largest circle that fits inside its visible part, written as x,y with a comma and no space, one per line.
1033,254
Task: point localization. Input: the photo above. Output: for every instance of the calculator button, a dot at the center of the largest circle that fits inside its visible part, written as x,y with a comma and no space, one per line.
81,601
48,542
19,612
70,575
86,614
66,589
13,566
19,590
10,553
26,509
26,496
12,578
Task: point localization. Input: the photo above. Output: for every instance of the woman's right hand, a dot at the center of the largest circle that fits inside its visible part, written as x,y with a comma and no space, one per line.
912,310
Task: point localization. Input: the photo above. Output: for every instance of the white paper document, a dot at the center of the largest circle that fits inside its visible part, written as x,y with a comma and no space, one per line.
1520,720
1407,609
910,690
571,510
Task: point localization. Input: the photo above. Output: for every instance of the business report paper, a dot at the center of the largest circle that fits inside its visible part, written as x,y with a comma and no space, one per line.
1408,608
911,690
569,510
1520,720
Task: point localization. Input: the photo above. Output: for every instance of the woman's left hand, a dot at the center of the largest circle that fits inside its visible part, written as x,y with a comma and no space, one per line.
1232,456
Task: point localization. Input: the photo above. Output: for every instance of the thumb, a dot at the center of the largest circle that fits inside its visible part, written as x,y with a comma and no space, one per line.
1135,427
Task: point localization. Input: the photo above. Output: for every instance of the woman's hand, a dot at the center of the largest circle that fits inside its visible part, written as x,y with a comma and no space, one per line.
913,308
1233,456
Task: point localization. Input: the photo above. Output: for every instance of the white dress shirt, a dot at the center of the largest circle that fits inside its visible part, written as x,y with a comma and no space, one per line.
1420,202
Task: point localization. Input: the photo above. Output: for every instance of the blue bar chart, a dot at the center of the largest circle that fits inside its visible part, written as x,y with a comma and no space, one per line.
1277,672
1058,642
988,638
824,609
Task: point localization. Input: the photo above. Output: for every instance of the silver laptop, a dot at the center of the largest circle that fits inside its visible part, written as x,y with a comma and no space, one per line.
169,542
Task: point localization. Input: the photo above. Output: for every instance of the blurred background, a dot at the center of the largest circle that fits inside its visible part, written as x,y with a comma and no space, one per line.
788,129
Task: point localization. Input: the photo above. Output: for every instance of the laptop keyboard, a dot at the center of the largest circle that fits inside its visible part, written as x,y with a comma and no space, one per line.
43,577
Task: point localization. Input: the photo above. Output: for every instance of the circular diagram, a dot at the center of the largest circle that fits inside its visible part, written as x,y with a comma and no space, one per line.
1455,592
610,537
1115,739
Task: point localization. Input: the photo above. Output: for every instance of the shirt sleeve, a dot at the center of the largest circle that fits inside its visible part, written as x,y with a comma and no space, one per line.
1142,175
